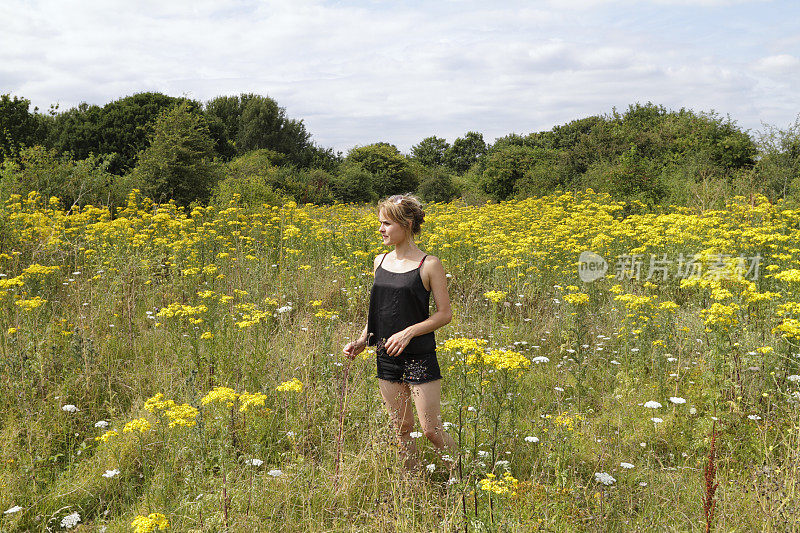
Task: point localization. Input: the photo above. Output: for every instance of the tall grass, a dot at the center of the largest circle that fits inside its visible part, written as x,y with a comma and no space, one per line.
547,390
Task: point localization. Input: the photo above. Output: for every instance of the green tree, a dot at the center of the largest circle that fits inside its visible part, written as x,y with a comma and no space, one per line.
465,151
430,151
121,127
437,185
509,167
179,162
392,173
18,126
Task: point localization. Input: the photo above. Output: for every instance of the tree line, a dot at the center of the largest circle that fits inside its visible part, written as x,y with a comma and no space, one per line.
181,149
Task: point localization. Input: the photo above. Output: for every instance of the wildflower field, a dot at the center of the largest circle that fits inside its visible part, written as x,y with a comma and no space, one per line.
183,371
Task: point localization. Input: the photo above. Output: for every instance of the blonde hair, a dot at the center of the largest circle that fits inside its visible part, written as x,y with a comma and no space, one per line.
406,210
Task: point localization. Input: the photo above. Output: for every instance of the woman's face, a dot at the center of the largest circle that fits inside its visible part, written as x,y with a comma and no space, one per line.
391,232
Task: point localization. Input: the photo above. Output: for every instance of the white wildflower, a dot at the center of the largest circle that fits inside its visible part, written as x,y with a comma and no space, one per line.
540,359
101,424
531,439
626,465
254,462
69,408
415,434
754,417
794,378
71,520
275,472
111,473
677,400
431,467
652,404
604,478
12,510
656,420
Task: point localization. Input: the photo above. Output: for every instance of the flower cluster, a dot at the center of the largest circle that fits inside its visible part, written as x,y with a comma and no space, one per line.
505,485
294,385
146,524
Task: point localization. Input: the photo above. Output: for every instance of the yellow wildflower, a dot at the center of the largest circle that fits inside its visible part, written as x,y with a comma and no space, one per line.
146,524
295,385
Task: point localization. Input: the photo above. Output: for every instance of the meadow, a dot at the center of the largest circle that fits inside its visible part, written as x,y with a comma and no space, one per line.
182,370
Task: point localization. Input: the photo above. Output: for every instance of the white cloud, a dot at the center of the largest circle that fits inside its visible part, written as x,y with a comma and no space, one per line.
359,73
779,64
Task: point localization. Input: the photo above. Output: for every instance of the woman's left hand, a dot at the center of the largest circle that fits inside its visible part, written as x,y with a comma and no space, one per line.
398,342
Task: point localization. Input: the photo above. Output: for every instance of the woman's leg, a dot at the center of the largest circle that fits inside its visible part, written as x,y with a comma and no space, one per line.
397,399
428,399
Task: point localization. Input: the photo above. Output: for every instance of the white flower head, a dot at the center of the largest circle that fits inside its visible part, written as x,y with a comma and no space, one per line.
656,420
12,510
540,359
111,473
754,417
431,467
101,424
626,465
532,440
794,378
415,434
604,478
275,472
254,462
69,408
71,520
677,400
652,405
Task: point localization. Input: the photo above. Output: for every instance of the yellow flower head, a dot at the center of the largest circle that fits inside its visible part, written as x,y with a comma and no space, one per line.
146,524
220,394
142,425
295,385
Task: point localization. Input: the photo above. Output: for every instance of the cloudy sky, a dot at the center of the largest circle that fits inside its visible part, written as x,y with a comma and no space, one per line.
362,72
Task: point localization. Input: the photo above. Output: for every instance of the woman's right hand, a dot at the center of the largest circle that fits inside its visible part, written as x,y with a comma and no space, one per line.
354,348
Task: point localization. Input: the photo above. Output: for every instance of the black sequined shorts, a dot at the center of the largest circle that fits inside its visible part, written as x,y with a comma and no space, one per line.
408,368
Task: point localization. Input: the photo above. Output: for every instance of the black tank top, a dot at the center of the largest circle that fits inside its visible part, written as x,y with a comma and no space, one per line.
398,300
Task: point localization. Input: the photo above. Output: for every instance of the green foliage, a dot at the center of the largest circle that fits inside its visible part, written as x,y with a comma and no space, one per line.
437,185
517,167
178,164
76,183
392,173
431,151
18,126
121,127
353,183
465,152
252,122
252,190
779,165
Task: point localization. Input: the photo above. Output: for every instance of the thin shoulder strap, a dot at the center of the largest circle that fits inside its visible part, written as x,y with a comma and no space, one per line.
382,258
423,260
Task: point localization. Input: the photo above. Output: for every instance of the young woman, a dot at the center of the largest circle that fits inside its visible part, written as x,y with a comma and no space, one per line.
400,328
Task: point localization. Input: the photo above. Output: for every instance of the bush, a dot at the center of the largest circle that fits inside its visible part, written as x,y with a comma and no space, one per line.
353,183
251,190
76,183
437,186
